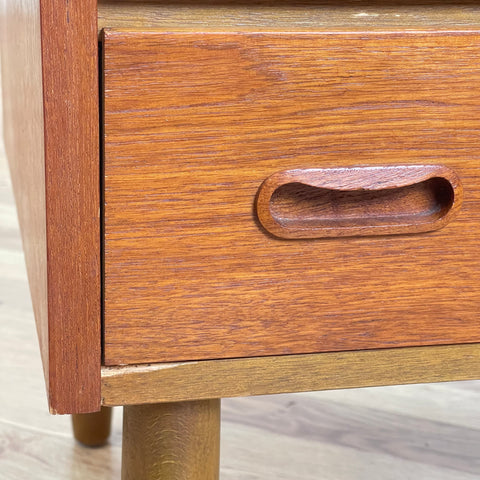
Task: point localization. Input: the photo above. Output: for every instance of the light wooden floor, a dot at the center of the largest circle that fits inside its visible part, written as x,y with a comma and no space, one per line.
395,433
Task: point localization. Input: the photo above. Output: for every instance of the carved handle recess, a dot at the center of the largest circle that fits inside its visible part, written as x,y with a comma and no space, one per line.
334,202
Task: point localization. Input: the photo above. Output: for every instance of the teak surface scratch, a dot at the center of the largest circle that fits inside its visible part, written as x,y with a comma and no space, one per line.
194,123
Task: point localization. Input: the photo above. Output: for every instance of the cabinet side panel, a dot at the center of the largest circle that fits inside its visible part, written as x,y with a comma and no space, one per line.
71,115
23,133
49,69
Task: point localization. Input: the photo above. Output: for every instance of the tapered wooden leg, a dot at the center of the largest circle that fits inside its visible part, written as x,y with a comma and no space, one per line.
92,429
171,441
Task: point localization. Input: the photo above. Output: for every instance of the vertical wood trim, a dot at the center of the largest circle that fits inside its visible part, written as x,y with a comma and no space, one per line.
70,91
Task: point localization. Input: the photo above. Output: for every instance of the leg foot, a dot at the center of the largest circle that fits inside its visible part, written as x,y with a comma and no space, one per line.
92,429
171,441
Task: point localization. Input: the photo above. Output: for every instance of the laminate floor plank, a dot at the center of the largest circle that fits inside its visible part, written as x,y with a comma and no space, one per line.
368,431
44,456
420,432
426,402
253,454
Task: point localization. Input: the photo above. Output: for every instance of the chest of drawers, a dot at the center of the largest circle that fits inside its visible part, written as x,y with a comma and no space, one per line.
225,200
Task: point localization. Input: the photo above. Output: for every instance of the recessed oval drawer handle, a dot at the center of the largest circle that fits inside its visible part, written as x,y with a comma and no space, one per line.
337,202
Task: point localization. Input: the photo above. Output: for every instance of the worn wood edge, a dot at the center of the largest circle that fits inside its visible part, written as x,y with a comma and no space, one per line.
174,382
72,163
133,31
308,16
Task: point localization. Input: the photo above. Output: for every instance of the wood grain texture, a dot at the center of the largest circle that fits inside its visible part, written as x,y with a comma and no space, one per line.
194,123
359,201
280,15
49,57
174,441
290,373
72,179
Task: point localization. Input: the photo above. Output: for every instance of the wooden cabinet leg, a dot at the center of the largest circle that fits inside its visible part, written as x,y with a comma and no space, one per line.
92,429
171,441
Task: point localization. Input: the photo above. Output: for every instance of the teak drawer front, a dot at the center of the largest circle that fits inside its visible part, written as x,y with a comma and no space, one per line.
195,122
